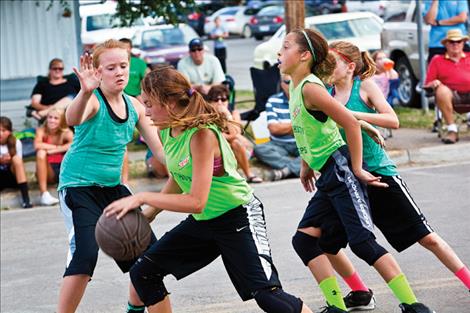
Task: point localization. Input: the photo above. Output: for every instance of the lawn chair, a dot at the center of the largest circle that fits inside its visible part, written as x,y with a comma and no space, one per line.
265,84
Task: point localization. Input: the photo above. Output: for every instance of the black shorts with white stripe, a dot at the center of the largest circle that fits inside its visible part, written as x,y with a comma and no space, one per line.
396,214
239,236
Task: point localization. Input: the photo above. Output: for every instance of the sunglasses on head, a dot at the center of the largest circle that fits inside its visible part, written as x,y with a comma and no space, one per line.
216,99
196,49
57,68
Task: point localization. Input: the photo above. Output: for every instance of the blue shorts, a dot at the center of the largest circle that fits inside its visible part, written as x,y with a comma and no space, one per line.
81,208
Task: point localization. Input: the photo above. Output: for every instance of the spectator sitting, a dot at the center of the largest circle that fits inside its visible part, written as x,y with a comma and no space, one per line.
385,76
137,70
202,70
52,140
280,152
449,76
218,96
55,92
219,33
12,172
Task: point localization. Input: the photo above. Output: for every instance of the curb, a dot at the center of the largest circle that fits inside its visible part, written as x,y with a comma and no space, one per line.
459,152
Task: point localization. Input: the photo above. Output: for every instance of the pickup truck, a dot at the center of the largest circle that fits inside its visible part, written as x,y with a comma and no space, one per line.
399,38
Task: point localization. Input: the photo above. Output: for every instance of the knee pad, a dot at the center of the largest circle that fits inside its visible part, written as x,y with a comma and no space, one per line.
369,250
147,279
277,301
306,246
333,237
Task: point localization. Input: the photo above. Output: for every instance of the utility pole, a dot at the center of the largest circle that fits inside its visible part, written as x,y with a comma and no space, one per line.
294,14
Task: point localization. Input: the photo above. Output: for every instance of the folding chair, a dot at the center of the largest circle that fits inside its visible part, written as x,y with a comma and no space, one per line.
265,84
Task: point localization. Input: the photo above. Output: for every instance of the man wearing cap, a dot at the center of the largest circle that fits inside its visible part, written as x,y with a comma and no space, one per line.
203,70
449,75
444,15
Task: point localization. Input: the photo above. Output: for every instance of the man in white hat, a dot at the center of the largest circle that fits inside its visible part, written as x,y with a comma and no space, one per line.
449,75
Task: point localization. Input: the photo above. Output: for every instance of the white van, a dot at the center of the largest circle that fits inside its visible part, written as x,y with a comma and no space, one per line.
99,24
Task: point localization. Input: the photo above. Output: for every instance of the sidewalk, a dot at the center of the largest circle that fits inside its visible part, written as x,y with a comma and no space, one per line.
407,147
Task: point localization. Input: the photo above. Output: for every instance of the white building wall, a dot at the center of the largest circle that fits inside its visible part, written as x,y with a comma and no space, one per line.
31,36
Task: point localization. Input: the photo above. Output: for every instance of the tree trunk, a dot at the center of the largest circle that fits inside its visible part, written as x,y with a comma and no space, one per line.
295,14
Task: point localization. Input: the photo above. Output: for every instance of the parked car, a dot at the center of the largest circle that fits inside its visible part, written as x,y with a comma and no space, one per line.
163,44
361,28
383,8
267,21
197,18
321,7
235,19
99,24
400,41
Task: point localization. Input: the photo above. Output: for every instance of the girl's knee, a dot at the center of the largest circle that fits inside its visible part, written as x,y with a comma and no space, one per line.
41,154
431,241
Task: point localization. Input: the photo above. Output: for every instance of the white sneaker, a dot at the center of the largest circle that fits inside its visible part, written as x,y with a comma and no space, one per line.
48,199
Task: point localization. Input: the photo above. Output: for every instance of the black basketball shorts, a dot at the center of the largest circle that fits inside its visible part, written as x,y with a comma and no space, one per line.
239,236
396,214
81,208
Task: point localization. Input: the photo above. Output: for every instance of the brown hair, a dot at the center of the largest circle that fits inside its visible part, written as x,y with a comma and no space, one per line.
62,122
323,63
365,66
5,122
108,44
53,62
165,84
375,54
216,91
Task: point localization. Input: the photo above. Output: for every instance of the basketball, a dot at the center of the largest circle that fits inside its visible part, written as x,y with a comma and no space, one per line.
124,239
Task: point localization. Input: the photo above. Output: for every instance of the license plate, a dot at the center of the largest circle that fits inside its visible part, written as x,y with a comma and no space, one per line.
264,28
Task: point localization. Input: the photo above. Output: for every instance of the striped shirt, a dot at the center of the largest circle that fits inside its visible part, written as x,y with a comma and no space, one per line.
277,111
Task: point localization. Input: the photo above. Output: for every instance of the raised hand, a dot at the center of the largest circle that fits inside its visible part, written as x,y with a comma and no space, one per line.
89,77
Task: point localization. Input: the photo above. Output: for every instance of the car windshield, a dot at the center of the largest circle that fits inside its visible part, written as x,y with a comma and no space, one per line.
271,11
105,21
163,38
351,28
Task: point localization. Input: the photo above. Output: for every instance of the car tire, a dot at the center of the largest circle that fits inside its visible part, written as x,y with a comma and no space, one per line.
259,37
246,32
407,94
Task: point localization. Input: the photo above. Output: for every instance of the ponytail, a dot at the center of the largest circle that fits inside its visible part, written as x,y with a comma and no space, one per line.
368,66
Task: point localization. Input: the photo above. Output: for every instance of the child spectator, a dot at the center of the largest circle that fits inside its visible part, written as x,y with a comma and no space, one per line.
12,173
385,76
51,142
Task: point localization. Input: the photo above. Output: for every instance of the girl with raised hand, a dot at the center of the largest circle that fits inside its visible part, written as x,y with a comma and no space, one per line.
226,219
340,205
104,119
393,209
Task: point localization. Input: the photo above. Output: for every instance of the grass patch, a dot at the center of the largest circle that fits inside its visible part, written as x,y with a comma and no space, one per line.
414,118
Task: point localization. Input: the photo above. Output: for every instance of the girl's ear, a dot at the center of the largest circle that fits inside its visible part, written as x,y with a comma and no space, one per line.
352,66
304,56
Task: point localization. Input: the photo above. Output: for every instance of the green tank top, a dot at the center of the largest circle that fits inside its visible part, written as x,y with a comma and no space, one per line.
376,158
315,140
226,192
97,151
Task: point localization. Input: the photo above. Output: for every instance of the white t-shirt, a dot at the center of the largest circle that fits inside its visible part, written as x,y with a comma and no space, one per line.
208,73
19,149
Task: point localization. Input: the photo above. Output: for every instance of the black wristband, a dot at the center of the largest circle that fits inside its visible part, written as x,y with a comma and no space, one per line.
437,23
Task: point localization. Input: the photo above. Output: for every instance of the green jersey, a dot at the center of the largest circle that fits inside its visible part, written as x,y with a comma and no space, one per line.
315,140
97,151
226,192
137,68
376,158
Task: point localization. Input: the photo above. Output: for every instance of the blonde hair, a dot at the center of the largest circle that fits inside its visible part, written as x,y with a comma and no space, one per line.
62,122
365,65
323,62
165,85
108,44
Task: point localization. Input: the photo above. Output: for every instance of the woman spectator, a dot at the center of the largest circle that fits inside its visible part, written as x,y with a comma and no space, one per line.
12,173
218,96
55,92
51,142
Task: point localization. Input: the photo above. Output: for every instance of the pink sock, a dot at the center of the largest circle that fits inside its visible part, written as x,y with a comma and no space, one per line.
464,275
355,282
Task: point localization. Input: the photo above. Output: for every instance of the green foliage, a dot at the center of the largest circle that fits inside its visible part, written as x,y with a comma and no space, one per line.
414,118
169,10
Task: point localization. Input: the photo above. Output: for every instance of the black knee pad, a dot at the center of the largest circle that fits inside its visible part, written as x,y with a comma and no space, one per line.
147,279
306,246
369,250
277,301
333,237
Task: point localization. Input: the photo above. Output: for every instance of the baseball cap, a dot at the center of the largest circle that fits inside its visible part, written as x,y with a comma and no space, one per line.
195,43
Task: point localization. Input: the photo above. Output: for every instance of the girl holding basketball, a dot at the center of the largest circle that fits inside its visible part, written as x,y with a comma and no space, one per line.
104,120
393,210
340,204
226,219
